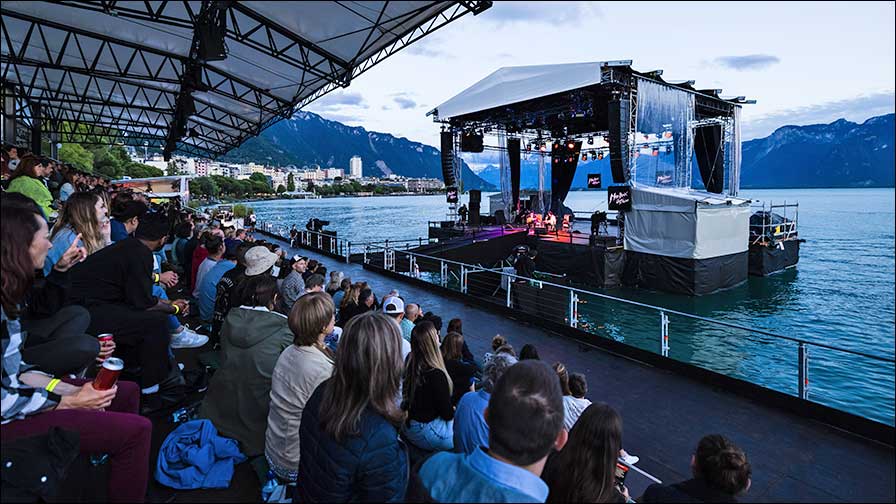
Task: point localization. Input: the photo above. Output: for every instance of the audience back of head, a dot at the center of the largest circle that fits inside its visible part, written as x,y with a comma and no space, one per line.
722,465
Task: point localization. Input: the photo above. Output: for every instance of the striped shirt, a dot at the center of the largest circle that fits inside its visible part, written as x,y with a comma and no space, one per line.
18,399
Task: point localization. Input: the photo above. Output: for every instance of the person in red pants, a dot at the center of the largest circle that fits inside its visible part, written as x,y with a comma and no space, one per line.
33,401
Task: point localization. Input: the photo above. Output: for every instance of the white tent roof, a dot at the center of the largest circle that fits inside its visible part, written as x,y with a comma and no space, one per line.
122,66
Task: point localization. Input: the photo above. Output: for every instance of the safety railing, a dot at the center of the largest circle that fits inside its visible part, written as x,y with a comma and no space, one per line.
776,361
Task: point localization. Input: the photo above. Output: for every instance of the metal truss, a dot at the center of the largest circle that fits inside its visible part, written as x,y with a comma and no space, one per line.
146,93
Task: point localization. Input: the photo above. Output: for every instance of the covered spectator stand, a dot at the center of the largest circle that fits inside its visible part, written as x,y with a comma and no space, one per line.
683,228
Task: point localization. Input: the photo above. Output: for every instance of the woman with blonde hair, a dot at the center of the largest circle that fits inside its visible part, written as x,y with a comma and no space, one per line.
84,215
300,369
427,393
350,449
349,305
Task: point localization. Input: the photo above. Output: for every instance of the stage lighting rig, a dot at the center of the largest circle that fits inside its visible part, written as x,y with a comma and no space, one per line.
593,155
590,140
584,156
570,144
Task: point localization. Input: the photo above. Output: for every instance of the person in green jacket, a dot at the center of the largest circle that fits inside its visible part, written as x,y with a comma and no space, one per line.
252,338
27,180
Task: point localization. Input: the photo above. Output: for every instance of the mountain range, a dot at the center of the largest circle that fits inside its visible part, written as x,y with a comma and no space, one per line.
307,138
839,154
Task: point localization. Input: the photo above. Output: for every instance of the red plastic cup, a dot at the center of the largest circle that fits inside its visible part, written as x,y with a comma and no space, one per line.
108,375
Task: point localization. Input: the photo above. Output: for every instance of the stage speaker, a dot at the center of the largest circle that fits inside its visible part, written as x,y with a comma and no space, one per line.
474,212
618,120
471,142
499,218
541,230
448,159
475,196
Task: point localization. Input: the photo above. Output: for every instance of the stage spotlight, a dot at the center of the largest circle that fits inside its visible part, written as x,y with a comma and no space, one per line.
528,147
600,155
543,147
593,155
655,152
570,145
556,145
668,149
590,140
584,156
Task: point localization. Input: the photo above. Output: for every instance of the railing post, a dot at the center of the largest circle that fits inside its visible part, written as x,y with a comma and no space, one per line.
463,278
664,334
443,273
509,283
804,371
348,253
419,241
573,309
366,248
318,242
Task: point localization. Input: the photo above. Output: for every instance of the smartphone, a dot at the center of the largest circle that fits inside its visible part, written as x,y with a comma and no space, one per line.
275,271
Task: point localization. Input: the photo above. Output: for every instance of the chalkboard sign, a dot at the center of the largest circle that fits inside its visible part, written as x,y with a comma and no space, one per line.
594,181
452,195
619,198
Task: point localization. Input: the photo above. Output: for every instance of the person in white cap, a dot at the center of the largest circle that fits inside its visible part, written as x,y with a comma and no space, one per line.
394,307
251,261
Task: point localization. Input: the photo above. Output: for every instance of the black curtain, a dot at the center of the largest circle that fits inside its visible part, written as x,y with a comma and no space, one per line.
513,152
708,149
563,169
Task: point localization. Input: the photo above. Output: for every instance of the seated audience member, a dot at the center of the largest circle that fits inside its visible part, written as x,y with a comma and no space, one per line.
215,247
572,406
499,345
335,284
189,250
252,339
411,314
83,218
310,269
427,393
366,302
300,369
721,473
529,352
315,283
200,253
27,180
251,260
182,234
459,370
525,420
394,308
115,285
585,469
344,286
34,402
208,288
349,302
126,213
470,428
293,285
350,449
456,325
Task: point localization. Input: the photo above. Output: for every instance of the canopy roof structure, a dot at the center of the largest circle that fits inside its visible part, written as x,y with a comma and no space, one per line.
516,96
198,77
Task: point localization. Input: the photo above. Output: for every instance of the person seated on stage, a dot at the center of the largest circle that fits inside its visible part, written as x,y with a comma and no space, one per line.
721,473
566,226
530,219
550,221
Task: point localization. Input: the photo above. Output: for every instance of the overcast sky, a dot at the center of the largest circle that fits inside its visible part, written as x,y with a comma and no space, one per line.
803,62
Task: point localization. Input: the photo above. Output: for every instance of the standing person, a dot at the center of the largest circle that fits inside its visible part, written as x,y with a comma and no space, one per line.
427,393
585,469
28,180
350,449
470,427
525,420
300,369
252,339
33,402
721,473
460,371
293,285
115,285
83,215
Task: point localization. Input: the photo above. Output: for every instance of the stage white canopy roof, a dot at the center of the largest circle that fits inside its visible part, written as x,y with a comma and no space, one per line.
132,70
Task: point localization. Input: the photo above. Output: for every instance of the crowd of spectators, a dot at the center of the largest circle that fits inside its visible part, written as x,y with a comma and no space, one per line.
347,395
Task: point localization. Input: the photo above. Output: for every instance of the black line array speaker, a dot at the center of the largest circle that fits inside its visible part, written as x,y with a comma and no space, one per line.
475,196
448,159
471,142
618,112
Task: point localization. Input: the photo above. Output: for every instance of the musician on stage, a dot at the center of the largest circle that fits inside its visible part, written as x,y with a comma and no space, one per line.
550,221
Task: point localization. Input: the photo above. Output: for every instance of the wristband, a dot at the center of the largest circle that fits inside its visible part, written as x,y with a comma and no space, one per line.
156,277
50,386
176,309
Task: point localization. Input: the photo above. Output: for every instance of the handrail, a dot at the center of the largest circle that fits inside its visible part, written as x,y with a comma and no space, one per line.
385,246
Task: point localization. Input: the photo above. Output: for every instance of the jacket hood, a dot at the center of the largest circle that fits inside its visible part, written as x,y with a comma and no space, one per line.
251,326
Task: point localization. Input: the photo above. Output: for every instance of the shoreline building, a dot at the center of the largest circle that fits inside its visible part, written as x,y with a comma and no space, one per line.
356,167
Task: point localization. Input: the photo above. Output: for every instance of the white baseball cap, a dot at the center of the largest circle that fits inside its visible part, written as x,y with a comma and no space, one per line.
393,305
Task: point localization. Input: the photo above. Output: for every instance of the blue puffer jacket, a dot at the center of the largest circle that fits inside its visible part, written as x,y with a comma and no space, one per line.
366,468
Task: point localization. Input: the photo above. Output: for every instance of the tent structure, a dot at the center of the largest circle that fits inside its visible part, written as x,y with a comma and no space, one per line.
199,77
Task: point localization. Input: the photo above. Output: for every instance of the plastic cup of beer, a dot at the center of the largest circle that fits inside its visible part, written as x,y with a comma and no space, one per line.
108,375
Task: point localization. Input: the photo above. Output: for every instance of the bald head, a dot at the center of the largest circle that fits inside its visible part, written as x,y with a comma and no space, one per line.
411,311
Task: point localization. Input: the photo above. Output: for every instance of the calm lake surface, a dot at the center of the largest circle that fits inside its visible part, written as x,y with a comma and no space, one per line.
841,293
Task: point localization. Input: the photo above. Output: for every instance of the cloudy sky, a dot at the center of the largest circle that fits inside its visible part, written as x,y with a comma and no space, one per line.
804,62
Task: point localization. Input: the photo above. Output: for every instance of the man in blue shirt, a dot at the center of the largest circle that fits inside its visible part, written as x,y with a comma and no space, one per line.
126,215
208,288
470,429
525,420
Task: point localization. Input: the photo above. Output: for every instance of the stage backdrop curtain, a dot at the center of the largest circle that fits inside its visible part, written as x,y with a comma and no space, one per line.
708,151
563,169
513,154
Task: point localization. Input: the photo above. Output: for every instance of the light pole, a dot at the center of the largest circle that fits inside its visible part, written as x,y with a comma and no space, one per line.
145,147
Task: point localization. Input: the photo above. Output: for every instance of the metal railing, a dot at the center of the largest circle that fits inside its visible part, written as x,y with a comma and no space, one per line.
604,315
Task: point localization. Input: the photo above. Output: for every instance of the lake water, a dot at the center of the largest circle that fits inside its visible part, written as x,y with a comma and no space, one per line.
841,293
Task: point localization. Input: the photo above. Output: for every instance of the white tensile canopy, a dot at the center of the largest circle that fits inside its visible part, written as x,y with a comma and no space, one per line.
686,224
141,71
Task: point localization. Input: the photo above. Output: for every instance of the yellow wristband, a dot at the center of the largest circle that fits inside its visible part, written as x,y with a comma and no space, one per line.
50,386
176,309
156,277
